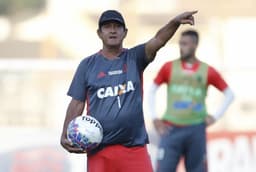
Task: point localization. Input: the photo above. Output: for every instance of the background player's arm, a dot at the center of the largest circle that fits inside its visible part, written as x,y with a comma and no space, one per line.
215,79
159,125
228,99
75,109
166,33
161,78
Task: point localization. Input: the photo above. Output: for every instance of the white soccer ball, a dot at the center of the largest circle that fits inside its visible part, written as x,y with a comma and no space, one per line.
85,132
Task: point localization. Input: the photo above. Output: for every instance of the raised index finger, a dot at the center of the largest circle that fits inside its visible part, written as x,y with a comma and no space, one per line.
189,13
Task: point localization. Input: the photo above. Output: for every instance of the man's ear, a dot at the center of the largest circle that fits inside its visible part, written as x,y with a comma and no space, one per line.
195,45
99,33
125,32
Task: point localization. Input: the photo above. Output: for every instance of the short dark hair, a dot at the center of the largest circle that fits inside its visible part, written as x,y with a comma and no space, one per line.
192,33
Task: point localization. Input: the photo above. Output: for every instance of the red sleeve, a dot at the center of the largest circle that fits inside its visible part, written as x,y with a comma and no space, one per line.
164,74
215,79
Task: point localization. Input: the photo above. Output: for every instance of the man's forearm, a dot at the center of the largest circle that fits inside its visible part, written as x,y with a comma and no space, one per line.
75,109
166,33
228,99
161,38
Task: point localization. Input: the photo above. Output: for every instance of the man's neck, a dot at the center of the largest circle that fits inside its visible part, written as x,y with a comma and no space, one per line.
111,52
190,60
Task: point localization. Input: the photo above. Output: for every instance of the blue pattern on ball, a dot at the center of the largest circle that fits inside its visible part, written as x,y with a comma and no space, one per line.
79,139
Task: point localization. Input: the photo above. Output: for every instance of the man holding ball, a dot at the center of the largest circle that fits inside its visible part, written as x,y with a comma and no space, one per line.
110,82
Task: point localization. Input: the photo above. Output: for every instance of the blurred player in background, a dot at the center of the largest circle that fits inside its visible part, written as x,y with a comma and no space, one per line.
110,81
183,126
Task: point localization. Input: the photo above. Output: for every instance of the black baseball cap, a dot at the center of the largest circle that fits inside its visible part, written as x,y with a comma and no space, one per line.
111,15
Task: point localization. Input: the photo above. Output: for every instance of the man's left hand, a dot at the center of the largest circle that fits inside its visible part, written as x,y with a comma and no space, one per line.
185,18
209,120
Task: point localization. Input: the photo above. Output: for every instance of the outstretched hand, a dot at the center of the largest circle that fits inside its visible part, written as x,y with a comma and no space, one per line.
185,18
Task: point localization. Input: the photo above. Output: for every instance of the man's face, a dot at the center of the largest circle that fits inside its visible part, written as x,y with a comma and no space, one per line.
188,46
112,34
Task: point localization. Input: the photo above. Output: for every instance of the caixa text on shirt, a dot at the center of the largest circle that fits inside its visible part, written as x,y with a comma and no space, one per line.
117,90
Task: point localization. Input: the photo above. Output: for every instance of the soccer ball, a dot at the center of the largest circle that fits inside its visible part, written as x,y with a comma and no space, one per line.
85,132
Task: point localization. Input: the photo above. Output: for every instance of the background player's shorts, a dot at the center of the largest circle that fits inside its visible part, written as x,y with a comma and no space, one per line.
188,142
119,158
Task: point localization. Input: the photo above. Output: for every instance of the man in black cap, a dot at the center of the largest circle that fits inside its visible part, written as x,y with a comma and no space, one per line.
110,82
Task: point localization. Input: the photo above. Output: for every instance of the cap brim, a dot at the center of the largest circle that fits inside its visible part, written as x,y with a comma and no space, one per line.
112,20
